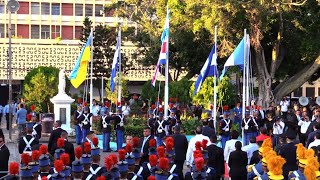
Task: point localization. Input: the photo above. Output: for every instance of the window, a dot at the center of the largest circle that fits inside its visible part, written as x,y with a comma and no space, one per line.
55,9
98,8
1,30
55,31
310,92
45,8
45,32
35,8
35,32
1,9
79,10
89,9
78,31
297,92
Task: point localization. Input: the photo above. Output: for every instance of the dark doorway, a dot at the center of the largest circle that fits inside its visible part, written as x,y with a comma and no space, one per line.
4,95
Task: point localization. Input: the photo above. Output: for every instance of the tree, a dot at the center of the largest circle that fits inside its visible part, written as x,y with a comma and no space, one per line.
151,93
103,52
226,92
180,89
284,36
113,96
40,85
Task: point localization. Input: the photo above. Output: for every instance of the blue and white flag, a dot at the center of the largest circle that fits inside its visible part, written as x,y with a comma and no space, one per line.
115,63
209,69
236,58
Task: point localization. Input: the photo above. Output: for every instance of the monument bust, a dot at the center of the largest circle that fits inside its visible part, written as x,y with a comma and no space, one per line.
62,82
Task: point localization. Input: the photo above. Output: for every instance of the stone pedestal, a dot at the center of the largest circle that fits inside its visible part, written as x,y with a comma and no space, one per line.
62,110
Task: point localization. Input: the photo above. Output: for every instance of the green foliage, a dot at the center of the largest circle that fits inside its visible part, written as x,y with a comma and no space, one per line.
124,90
135,126
180,89
189,125
40,85
226,92
150,92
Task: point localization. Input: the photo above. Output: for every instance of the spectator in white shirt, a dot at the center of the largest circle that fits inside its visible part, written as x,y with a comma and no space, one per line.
192,145
304,125
95,108
278,127
284,103
250,148
316,141
230,145
126,109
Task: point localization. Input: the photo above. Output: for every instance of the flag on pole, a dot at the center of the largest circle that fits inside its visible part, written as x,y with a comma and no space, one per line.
79,72
115,63
209,69
236,58
163,52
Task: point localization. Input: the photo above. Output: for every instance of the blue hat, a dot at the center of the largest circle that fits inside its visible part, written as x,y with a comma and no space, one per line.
160,176
160,114
57,176
66,171
150,111
115,173
95,151
123,166
136,153
58,152
85,109
130,159
152,151
209,112
197,175
77,166
226,113
34,166
86,159
25,172
44,160
29,125
173,111
119,108
11,177
247,113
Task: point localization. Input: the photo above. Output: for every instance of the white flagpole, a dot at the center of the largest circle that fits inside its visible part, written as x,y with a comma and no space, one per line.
91,72
119,65
214,112
247,71
102,89
244,86
166,86
91,78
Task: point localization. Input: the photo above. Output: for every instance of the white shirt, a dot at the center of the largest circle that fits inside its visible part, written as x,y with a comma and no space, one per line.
126,110
284,105
304,126
278,129
250,148
192,147
230,146
316,142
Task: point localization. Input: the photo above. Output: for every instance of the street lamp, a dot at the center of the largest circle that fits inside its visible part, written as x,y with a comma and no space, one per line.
12,7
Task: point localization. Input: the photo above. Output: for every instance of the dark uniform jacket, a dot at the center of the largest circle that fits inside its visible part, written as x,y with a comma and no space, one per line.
288,152
145,149
160,128
4,159
85,120
99,173
38,130
225,127
117,122
238,161
172,122
68,147
22,144
105,124
151,125
216,159
54,136
76,115
180,146
252,125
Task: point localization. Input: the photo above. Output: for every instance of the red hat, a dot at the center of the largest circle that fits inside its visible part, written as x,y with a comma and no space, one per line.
95,141
35,155
87,147
78,152
164,164
14,168
65,158
25,158
43,149
58,165
108,162
152,143
129,148
153,159
122,154
135,142
60,143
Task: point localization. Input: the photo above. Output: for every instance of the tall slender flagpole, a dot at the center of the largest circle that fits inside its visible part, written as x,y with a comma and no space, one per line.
244,85
119,64
247,72
91,76
215,83
102,89
166,86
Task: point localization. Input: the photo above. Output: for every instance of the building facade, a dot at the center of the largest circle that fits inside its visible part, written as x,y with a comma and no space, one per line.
46,33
